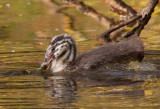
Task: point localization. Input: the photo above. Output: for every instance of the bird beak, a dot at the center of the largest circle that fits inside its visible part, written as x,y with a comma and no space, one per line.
46,63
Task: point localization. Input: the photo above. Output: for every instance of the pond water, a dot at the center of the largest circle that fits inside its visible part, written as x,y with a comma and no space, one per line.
26,28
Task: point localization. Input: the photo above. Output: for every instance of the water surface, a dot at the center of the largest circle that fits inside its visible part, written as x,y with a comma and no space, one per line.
26,28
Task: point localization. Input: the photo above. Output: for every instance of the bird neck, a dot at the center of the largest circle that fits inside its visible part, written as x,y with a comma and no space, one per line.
62,63
58,65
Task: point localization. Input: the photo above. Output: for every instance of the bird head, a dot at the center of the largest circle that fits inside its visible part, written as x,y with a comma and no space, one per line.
60,52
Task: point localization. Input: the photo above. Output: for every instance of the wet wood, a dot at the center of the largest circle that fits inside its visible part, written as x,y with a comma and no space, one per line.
144,17
106,35
121,52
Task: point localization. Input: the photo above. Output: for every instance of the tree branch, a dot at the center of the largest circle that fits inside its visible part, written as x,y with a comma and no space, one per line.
144,17
106,35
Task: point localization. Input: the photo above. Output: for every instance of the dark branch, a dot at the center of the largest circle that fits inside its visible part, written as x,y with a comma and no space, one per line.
144,17
106,35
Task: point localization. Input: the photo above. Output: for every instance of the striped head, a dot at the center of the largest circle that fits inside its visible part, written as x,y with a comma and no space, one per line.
60,53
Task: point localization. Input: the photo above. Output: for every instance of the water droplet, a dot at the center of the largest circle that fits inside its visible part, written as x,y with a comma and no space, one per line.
28,3
20,15
56,29
1,6
8,5
13,51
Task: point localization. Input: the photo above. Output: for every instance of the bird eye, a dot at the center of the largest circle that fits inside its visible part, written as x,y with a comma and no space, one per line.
53,49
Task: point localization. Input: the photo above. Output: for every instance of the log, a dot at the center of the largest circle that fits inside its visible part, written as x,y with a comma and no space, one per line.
121,52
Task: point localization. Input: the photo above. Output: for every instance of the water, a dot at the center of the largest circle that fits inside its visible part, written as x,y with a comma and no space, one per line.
26,28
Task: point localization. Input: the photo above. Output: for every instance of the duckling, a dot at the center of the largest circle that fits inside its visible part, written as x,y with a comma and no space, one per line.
61,54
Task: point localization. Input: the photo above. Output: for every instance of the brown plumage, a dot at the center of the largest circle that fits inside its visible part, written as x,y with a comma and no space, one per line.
61,54
127,50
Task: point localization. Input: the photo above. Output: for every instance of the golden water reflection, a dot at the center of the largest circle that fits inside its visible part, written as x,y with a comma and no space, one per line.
63,91
26,28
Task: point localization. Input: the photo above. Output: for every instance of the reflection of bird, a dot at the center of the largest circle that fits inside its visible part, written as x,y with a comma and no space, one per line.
61,54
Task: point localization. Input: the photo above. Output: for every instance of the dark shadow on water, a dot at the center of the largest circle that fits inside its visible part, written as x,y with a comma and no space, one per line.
61,89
